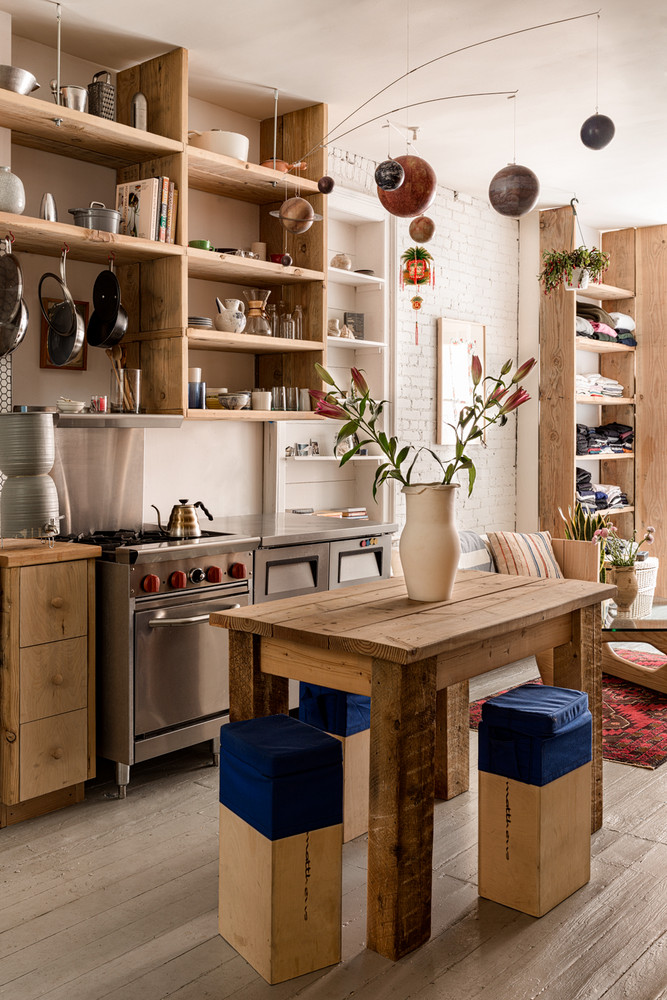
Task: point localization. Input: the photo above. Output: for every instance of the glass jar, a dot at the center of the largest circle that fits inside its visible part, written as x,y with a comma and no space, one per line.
297,315
287,326
272,317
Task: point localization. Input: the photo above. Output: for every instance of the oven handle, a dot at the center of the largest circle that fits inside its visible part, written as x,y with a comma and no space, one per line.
194,620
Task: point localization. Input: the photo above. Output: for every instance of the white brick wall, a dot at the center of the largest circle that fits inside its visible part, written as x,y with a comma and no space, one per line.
476,254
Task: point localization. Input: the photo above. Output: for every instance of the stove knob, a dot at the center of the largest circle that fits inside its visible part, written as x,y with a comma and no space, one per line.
197,575
151,583
178,580
214,574
238,570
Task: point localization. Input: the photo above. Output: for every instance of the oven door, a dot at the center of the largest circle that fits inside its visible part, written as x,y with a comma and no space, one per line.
291,571
359,560
181,663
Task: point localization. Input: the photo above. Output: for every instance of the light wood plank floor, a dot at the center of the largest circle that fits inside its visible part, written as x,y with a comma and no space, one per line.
117,899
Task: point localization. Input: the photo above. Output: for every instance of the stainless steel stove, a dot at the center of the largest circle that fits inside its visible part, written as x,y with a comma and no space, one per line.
162,671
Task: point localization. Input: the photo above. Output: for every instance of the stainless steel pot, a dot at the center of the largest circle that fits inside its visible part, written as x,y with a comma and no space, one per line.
71,96
97,216
18,80
183,520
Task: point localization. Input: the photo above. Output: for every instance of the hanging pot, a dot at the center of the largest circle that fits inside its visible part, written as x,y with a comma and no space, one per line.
108,323
66,327
580,279
429,546
11,283
13,332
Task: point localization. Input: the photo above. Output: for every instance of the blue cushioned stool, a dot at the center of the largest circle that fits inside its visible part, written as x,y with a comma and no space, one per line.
348,718
534,796
281,804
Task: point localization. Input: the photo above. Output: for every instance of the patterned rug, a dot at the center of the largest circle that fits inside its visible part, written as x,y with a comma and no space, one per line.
634,722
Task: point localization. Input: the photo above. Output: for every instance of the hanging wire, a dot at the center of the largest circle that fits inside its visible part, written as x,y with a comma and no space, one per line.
513,98
574,201
597,62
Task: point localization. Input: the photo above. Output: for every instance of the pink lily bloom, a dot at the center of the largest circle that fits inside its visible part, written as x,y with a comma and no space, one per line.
518,397
329,410
359,381
525,368
476,370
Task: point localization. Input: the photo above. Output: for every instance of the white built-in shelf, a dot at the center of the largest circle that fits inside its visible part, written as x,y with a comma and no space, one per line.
360,281
332,458
355,345
605,293
605,458
600,346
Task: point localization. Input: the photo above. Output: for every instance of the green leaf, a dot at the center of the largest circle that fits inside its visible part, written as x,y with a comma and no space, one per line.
348,429
402,455
349,454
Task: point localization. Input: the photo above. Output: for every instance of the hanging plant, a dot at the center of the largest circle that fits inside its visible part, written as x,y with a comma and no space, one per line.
558,265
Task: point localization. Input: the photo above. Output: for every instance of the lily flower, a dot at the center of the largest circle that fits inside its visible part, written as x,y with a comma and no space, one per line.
525,368
359,381
327,409
476,370
518,397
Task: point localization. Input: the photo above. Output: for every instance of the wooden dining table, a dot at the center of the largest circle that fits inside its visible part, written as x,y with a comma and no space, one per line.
415,660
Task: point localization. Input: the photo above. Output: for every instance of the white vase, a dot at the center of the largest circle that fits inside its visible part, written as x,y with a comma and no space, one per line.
429,546
12,192
580,279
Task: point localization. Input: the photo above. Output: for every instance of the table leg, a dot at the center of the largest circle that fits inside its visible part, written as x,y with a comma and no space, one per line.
578,664
452,741
400,833
252,693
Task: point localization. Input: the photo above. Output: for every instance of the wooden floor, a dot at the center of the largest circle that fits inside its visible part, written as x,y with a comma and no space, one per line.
117,899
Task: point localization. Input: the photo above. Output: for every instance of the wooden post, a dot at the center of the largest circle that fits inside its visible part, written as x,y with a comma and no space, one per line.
253,693
452,741
578,665
400,834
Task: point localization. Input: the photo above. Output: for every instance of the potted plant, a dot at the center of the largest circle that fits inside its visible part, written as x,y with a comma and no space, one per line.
621,556
429,544
573,268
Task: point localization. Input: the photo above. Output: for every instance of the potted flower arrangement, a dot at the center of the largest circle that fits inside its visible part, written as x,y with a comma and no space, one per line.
429,544
621,556
573,268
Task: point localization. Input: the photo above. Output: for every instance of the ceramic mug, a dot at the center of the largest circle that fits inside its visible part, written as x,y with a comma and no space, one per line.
260,399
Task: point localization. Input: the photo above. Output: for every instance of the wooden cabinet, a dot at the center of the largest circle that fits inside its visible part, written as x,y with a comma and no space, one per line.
47,694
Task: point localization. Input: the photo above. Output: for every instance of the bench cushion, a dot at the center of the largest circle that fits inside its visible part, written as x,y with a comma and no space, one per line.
522,554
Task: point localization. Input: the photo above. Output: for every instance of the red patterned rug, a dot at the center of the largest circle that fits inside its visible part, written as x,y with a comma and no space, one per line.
634,722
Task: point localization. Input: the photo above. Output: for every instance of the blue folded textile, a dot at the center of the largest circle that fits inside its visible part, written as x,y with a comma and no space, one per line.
334,711
535,708
281,776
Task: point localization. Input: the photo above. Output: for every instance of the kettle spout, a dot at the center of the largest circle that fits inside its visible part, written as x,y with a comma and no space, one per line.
159,520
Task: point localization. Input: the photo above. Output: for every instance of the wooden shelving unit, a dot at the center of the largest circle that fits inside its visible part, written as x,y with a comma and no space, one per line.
223,175
214,340
245,270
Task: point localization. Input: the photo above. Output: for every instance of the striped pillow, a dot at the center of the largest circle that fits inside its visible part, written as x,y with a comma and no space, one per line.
524,555
474,553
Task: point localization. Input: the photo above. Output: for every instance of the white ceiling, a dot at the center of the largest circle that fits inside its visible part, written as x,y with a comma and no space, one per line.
345,51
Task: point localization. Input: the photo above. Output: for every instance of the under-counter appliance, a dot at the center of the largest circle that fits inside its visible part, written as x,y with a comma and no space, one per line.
162,671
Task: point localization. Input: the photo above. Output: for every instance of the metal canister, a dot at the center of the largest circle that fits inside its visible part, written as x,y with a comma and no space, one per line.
139,117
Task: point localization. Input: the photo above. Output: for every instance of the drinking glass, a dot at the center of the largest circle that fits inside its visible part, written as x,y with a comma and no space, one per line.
287,326
291,399
278,401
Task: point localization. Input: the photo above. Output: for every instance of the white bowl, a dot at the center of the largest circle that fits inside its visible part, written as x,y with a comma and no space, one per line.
234,400
216,141
70,405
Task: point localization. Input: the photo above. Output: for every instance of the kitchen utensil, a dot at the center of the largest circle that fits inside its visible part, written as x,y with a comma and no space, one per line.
261,400
47,208
231,316
278,397
102,96
18,80
108,323
62,350
257,322
216,141
124,389
71,96
183,520
65,405
27,444
11,283
234,400
97,216
66,327
13,332
196,395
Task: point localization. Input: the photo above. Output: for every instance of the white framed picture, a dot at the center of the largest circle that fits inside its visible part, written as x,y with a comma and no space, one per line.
458,341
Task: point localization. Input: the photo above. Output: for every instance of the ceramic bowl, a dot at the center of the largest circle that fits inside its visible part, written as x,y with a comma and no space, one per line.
70,405
234,400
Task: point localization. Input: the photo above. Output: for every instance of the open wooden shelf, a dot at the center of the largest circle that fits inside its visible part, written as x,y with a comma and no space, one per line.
244,270
34,123
601,346
605,458
605,400
605,293
256,415
224,175
214,340
39,236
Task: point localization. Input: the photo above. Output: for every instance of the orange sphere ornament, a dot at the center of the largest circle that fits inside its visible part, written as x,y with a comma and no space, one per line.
297,215
422,229
416,192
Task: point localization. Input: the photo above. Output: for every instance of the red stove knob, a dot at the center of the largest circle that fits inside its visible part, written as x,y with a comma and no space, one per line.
151,583
238,570
178,580
214,574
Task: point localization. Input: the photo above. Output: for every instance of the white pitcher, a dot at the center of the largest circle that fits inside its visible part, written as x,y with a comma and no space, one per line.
231,316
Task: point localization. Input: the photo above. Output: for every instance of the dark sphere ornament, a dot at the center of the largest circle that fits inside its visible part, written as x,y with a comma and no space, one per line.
422,229
286,260
326,184
514,190
416,192
389,175
597,131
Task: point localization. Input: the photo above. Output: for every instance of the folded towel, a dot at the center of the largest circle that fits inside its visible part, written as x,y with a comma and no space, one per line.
623,321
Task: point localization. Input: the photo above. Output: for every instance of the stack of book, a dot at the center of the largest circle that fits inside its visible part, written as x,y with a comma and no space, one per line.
343,512
148,209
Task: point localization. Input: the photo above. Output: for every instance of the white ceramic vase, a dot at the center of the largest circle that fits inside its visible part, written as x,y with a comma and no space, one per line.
12,192
580,279
429,546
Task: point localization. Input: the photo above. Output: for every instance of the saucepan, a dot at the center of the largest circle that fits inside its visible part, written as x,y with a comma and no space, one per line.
66,327
108,323
13,310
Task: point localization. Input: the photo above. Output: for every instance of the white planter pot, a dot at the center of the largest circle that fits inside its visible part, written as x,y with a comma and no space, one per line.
580,279
429,546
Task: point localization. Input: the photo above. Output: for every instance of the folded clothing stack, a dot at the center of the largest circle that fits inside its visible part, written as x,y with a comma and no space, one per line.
595,497
607,439
594,384
596,323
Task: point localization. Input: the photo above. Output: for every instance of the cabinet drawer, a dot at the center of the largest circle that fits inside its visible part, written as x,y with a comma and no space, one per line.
54,678
54,602
54,753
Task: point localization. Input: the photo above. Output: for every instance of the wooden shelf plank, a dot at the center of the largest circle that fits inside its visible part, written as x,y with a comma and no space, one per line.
605,293
604,458
600,346
618,510
79,135
340,277
224,175
214,340
355,345
38,236
256,415
606,400
245,270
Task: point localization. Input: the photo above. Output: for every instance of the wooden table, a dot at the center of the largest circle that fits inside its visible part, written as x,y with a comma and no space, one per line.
415,661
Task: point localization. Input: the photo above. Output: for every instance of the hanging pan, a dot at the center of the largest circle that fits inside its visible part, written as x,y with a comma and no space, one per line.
108,322
11,283
66,327
13,331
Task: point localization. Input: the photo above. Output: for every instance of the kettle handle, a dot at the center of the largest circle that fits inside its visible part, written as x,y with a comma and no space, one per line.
200,504
159,519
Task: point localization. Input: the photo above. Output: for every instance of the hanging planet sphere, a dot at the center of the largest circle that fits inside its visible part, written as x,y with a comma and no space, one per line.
286,260
416,192
597,131
422,229
297,215
326,184
514,190
389,175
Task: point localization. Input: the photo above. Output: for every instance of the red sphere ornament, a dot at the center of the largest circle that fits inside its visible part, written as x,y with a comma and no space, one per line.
514,190
297,215
326,184
422,229
416,192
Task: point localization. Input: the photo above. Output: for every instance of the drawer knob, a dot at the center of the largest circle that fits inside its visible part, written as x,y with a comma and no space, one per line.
57,602
58,753
57,678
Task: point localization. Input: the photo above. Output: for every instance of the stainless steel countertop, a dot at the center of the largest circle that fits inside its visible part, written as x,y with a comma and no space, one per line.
297,529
